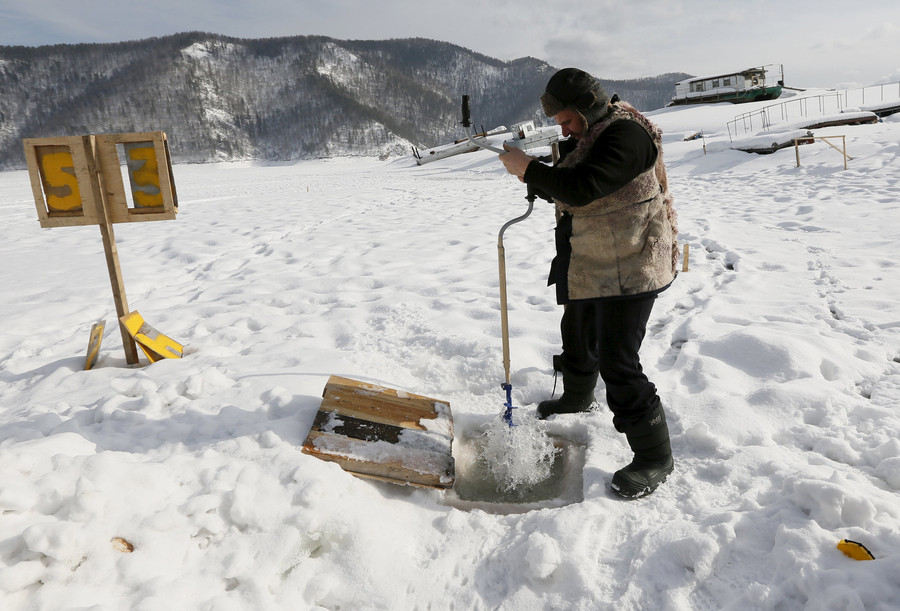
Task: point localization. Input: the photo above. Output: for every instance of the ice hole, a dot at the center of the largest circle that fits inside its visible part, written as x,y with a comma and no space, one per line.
502,469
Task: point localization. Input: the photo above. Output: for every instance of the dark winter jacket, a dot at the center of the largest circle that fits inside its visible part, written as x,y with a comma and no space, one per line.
617,233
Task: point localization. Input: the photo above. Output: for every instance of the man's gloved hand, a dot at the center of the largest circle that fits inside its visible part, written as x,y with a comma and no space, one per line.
541,194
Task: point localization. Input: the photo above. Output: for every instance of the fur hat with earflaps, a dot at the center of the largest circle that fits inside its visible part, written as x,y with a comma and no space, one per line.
576,90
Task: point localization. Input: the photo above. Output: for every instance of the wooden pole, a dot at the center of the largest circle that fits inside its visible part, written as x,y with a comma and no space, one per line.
112,254
826,140
504,317
687,254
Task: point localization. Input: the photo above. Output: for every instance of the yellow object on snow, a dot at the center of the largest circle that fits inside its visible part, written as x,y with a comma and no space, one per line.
855,550
153,343
94,344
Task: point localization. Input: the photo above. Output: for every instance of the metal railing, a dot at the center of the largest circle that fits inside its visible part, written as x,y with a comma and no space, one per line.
812,106
874,94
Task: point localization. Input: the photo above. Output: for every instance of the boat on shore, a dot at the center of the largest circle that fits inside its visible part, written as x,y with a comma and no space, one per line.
749,85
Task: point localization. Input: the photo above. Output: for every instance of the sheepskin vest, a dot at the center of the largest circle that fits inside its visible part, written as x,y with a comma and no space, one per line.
626,242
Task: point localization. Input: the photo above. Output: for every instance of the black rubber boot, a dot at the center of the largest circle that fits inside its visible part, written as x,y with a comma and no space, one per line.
649,440
578,395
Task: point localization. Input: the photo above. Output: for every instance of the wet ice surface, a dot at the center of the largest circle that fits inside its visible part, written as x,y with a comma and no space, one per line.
519,457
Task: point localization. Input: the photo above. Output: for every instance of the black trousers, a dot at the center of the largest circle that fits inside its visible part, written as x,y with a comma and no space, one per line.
605,337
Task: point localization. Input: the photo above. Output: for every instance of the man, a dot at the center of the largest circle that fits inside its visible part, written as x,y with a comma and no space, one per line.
616,250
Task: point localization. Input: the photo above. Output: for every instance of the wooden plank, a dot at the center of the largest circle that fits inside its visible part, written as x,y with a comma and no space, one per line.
363,430
382,433
155,345
110,250
382,460
384,405
94,344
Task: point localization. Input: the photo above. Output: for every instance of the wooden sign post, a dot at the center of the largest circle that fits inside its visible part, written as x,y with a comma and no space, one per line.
78,181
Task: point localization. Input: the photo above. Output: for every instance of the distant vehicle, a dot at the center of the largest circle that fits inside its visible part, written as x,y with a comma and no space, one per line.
750,85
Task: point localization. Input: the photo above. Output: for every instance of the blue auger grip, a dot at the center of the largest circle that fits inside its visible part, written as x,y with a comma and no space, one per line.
507,415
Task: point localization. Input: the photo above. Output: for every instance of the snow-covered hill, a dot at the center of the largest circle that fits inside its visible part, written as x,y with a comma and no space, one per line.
223,99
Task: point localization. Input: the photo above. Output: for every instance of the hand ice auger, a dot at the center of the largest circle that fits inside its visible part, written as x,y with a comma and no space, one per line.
501,256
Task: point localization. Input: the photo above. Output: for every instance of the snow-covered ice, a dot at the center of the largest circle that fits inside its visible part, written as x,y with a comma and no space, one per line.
777,356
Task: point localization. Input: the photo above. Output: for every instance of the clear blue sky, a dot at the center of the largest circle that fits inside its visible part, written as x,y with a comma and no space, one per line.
823,43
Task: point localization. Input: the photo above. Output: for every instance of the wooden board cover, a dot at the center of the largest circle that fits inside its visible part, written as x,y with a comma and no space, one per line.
382,433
